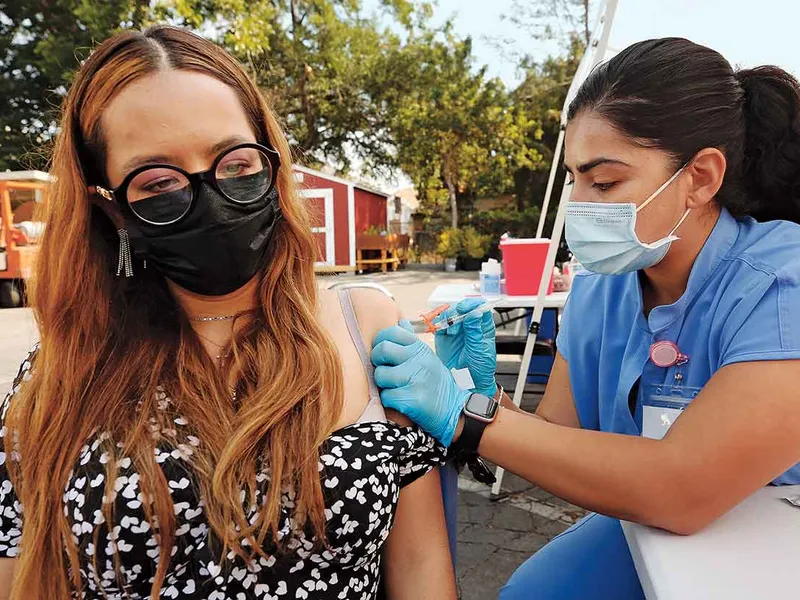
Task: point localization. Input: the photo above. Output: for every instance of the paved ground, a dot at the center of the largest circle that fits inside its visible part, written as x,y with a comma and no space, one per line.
17,336
410,287
495,535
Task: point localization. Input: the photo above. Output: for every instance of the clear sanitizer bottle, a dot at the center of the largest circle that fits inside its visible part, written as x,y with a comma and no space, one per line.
490,277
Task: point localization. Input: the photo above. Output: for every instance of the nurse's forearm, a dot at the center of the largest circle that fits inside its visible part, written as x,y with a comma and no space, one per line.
507,402
627,477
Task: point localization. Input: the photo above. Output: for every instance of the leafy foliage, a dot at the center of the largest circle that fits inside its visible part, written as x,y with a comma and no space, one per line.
465,242
449,245
454,129
41,43
553,19
317,60
541,96
379,89
320,62
474,244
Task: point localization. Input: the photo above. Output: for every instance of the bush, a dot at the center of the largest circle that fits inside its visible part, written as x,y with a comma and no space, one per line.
375,230
474,244
450,243
494,223
463,243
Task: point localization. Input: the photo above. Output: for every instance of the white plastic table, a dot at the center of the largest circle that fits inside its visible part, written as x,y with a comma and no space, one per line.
452,293
751,552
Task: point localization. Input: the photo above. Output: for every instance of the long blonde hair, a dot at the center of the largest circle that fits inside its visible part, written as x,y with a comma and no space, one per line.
108,346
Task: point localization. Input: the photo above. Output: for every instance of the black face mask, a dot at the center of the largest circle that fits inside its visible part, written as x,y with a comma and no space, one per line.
217,248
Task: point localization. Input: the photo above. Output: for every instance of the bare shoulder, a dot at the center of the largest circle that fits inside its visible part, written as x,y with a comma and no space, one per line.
374,310
399,418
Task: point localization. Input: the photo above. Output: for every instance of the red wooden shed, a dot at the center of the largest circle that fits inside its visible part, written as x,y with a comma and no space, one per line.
340,209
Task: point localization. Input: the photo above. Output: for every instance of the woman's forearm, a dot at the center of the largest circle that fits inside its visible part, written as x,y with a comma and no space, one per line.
627,477
419,578
507,402
417,561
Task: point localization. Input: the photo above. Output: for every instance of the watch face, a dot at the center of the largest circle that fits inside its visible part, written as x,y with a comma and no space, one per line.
481,405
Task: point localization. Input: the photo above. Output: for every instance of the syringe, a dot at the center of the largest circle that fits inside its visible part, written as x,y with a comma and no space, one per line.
427,323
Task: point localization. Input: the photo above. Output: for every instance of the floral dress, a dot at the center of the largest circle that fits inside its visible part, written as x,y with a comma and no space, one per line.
363,467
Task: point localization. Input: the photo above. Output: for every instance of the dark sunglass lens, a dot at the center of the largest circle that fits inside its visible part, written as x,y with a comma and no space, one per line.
244,175
160,195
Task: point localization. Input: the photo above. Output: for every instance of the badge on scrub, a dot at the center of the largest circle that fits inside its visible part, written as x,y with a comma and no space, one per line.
663,403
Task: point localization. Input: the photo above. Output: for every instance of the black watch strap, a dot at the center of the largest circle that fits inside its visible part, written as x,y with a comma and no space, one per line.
481,471
465,450
471,436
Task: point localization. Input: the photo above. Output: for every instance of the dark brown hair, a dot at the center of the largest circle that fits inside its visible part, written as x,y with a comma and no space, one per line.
681,97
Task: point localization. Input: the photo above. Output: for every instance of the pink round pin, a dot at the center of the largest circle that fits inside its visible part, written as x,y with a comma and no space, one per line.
665,354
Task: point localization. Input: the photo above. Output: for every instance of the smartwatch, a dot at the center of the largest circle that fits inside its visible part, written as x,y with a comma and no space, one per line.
481,407
479,411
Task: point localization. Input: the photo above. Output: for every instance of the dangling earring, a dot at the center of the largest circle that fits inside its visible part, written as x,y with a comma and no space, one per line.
125,261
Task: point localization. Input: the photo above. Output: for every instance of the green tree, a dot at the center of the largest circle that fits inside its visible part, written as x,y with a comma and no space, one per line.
319,62
42,43
553,19
540,97
453,129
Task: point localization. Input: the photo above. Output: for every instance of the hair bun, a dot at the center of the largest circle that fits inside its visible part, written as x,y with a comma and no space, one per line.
771,164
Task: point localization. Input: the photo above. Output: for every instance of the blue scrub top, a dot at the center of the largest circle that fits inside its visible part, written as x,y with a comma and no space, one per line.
742,303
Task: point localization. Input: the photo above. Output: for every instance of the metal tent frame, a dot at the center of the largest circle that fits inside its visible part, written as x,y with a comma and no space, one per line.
595,53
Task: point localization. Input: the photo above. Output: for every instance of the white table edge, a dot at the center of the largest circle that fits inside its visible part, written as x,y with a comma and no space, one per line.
554,300
650,573
639,560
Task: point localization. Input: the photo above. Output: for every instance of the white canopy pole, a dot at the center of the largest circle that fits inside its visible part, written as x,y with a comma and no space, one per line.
551,180
594,54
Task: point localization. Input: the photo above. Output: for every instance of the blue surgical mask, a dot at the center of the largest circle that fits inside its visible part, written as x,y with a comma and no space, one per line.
602,236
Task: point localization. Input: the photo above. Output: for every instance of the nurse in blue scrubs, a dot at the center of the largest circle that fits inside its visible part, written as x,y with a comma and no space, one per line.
676,390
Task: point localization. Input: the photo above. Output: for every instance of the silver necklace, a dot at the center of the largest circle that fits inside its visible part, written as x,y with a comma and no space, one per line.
215,318
217,344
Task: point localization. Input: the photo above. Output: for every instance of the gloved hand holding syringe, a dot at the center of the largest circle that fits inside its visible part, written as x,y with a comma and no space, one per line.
464,340
434,321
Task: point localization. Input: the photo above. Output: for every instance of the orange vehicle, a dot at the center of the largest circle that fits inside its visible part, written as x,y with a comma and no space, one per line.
20,233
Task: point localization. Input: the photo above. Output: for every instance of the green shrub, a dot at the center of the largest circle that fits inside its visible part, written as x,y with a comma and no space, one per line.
494,223
474,244
375,230
450,243
463,243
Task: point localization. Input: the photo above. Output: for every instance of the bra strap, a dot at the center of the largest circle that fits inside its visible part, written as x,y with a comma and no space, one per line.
374,410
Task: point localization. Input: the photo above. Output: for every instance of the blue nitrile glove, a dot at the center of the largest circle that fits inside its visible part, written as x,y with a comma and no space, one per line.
414,382
470,345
